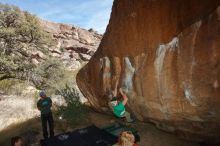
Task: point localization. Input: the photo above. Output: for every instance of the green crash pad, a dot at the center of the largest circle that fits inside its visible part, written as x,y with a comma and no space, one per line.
116,128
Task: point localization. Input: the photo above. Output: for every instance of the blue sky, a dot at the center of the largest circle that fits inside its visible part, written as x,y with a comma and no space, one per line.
84,13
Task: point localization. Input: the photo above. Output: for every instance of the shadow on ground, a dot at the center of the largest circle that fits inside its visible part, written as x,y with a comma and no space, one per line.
31,131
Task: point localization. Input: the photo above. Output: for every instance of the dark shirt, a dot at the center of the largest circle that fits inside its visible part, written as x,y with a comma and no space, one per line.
44,105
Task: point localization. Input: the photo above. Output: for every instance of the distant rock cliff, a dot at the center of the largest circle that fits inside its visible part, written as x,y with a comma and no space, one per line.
166,56
73,45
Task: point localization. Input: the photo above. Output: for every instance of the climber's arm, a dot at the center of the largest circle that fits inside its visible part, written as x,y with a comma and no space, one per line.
115,90
125,98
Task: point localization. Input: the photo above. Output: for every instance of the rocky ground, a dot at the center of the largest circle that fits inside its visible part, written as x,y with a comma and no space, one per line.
16,109
150,136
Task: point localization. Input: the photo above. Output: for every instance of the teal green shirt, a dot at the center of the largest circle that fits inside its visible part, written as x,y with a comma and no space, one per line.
44,105
119,110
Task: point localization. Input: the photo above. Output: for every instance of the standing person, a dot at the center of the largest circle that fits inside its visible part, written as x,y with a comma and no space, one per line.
16,141
44,105
118,106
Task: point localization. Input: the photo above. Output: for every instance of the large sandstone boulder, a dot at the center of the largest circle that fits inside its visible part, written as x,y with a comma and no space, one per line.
166,56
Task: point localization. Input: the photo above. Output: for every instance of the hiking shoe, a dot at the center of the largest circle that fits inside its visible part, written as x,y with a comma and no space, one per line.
131,121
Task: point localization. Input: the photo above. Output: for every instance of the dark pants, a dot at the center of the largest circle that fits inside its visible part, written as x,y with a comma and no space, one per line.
44,119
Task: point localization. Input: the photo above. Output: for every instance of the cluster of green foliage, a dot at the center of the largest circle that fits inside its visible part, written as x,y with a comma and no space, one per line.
20,34
47,74
6,85
74,112
14,87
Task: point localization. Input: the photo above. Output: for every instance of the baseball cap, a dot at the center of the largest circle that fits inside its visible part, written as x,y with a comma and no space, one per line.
42,93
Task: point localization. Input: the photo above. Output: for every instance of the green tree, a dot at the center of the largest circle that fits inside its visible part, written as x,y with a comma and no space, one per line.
74,112
21,34
47,73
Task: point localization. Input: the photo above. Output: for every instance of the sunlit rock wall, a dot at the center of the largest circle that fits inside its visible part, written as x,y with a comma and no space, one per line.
166,56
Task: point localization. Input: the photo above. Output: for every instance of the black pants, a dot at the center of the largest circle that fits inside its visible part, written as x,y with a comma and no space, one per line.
44,119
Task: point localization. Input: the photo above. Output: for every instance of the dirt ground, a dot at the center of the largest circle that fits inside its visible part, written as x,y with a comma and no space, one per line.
150,136
31,131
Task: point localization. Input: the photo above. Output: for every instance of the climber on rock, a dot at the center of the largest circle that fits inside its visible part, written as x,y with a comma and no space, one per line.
118,107
44,105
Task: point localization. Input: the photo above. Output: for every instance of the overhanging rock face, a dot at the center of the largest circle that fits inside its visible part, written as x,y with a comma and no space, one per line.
166,55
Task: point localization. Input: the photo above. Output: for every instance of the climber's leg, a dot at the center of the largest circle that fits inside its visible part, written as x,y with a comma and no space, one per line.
128,117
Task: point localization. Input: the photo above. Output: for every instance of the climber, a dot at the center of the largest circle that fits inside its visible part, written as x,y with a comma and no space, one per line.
118,107
44,105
